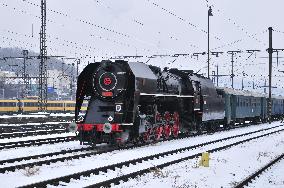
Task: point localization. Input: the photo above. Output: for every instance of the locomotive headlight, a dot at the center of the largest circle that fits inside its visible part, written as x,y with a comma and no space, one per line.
110,118
107,128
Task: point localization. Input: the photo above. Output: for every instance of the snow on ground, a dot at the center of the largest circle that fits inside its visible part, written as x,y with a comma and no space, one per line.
227,167
37,150
48,123
274,177
145,165
68,167
7,140
23,116
38,115
62,114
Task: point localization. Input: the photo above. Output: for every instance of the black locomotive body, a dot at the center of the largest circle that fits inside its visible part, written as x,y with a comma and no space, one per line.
113,89
132,101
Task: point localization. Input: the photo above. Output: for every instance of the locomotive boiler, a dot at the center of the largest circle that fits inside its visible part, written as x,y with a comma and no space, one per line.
132,101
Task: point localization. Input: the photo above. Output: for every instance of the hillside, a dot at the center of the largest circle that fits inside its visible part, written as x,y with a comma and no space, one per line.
16,65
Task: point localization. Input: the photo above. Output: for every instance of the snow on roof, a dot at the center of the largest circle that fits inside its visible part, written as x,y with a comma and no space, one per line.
241,92
247,93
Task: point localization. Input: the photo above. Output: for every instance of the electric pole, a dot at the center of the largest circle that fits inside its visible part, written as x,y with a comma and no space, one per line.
26,82
233,53
208,50
217,75
270,51
217,68
42,100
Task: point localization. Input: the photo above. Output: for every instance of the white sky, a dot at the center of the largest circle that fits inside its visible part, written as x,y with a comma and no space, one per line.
103,29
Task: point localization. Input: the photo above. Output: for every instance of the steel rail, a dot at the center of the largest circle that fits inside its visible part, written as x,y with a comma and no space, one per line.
37,142
253,176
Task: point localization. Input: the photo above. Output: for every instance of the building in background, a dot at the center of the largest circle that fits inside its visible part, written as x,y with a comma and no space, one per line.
10,85
58,84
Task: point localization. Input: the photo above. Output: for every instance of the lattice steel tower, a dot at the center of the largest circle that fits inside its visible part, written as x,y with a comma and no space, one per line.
42,101
25,75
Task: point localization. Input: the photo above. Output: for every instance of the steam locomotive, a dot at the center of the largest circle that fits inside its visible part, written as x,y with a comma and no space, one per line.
132,101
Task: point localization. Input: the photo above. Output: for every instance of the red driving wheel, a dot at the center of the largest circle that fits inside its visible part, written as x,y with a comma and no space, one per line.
158,133
167,131
176,125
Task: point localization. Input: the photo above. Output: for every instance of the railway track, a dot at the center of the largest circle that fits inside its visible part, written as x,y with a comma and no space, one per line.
32,130
32,119
37,142
161,160
18,131
32,133
258,173
9,161
83,155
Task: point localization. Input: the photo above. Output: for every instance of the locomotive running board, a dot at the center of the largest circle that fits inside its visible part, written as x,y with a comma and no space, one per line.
165,95
126,124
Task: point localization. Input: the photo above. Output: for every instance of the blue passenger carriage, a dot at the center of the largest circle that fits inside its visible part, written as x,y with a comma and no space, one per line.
243,106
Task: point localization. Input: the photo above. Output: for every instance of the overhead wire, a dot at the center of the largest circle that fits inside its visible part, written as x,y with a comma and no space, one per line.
90,23
182,19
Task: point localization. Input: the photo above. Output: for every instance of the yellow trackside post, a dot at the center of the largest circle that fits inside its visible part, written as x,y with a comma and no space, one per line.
204,159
